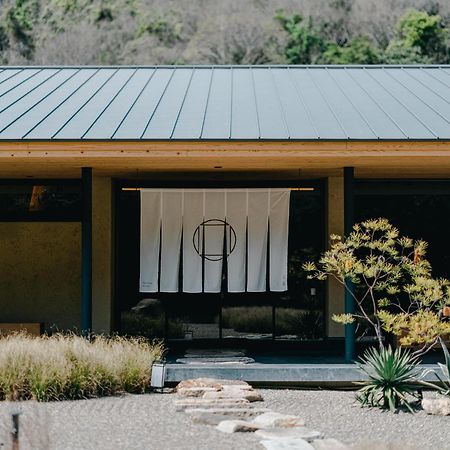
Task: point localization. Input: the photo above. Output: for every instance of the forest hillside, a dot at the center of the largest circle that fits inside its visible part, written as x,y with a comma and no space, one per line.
224,31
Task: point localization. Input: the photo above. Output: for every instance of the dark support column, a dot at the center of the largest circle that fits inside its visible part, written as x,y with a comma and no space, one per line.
349,218
86,252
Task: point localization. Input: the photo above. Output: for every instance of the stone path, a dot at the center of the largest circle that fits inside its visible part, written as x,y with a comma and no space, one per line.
233,406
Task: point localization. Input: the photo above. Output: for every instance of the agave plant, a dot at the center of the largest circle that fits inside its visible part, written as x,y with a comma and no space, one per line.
444,387
394,379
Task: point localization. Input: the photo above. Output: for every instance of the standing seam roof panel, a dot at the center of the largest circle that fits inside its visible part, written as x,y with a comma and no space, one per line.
225,102
32,116
244,117
190,121
324,121
164,119
106,124
90,111
351,119
26,103
429,118
68,108
135,123
270,114
217,120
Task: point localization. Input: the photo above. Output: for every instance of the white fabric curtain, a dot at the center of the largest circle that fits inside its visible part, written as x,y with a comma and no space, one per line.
249,226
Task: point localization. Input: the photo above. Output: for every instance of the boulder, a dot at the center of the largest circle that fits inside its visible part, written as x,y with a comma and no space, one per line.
236,426
286,444
277,420
439,406
329,444
292,433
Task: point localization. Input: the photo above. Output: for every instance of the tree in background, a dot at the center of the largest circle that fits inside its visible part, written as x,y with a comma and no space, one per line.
419,38
304,43
359,50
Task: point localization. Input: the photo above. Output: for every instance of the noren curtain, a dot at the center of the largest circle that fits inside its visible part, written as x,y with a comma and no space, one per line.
190,232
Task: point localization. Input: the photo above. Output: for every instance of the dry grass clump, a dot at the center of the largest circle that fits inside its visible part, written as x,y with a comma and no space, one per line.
63,367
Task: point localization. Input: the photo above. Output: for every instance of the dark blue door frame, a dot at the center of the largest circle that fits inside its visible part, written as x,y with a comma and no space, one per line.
86,252
349,217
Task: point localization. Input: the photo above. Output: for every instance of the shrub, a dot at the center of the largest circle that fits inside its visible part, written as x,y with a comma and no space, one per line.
394,379
70,367
390,281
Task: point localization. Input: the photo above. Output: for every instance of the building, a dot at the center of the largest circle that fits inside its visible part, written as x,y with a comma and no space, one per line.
79,144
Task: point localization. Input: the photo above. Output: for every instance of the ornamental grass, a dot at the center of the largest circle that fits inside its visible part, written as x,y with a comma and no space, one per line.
69,367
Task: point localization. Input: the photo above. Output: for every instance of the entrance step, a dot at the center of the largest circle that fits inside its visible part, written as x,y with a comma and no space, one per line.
215,356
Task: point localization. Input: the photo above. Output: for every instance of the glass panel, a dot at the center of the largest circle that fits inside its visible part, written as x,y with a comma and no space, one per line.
193,317
247,322
40,201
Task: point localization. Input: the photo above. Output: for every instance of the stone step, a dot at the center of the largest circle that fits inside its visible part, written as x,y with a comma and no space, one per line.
286,444
292,433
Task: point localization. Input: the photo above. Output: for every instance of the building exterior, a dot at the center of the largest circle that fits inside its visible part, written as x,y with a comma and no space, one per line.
77,145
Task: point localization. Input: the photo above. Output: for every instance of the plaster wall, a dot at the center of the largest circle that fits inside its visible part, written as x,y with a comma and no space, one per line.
40,273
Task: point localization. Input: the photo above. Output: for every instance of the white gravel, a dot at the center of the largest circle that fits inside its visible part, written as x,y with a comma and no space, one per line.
151,422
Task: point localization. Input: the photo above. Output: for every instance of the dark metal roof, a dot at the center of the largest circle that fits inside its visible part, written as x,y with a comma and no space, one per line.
225,102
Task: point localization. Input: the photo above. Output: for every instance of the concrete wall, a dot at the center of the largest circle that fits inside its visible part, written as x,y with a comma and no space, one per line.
102,254
40,273
335,225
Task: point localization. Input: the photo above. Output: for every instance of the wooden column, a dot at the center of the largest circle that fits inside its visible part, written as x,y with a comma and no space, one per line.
86,252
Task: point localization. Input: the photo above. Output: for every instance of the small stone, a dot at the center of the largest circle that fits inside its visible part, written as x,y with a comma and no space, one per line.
329,444
287,444
251,396
438,406
194,391
236,426
294,433
209,382
277,420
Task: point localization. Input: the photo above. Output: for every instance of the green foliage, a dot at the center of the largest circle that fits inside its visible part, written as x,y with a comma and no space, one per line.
19,22
394,379
359,50
419,38
393,286
444,379
304,44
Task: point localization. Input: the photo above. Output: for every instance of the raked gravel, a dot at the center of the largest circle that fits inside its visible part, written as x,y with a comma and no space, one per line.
151,422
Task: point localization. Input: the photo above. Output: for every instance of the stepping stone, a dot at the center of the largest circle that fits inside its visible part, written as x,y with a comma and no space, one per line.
215,383
236,426
277,420
194,391
329,444
293,433
287,444
250,395
214,419
238,413
181,405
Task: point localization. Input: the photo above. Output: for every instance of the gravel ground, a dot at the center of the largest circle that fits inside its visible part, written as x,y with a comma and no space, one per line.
151,422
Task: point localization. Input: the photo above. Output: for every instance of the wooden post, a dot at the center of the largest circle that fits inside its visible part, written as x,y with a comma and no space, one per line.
86,253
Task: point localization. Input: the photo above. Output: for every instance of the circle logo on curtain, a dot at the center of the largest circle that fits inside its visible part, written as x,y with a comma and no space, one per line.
209,239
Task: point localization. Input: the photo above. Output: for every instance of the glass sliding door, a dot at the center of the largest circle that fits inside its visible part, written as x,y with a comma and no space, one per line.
294,315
